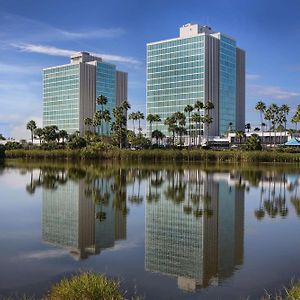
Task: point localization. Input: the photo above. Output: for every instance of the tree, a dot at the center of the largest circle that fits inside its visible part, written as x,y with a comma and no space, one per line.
31,125
119,125
296,117
132,116
140,116
152,118
157,135
63,135
208,119
188,109
248,127
285,109
39,132
50,133
261,107
88,122
171,123
107,118
196,118
240,135
274,118
101,100
2,138
253,142
199,105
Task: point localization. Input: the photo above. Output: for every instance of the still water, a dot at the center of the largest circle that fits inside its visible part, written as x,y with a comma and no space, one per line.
165,231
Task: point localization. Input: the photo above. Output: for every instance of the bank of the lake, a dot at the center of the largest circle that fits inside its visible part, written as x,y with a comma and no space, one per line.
201,155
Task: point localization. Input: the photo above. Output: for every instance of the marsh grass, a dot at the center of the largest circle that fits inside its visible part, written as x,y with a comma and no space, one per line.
156,155
85,286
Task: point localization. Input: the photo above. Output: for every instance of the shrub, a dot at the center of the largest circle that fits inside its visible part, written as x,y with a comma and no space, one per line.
86,286
76,142
13,145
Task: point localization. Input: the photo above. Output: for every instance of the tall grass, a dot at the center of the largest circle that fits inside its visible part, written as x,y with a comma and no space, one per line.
156,155
86,285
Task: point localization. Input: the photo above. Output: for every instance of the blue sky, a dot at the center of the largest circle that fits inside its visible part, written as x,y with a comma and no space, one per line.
36,34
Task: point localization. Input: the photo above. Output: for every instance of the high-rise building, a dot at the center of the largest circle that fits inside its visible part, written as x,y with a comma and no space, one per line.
199,65
70,91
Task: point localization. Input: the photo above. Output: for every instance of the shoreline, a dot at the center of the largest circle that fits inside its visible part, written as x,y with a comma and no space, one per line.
156,155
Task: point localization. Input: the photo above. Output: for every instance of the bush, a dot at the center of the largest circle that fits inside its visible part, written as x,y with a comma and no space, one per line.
76,142
86,286
51,146
13,145
2,151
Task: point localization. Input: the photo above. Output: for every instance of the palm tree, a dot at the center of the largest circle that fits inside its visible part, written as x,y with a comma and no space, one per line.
63,135
171,123
285,109
296,117
261,107
208,119
240,135
152,118
140,116
132,116
88,122
196,118
248,127
39,132
188,109
107,118
157,135
101,100
274,113
31,125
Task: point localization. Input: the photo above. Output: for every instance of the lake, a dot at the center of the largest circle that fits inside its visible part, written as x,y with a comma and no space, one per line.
173,231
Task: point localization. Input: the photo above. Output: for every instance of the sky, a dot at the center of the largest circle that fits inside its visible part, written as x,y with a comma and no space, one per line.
38,34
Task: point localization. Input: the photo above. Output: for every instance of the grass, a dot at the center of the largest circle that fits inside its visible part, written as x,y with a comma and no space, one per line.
156,155
86,286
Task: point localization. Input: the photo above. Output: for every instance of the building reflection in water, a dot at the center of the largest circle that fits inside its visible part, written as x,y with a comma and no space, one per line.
82,216
194,226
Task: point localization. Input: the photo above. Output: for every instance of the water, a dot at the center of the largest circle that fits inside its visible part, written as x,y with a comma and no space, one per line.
165,231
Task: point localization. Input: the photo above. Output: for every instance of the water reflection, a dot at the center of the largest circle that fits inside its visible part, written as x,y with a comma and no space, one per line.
194,217
196,230
82,213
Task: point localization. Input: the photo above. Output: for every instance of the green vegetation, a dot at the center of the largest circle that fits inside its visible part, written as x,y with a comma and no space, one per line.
86,286
102,151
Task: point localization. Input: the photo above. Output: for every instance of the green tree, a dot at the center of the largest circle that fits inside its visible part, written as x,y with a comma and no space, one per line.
2,138
296,118
248,127
151,118
240,135
88,122
63,135
31,125
50,133
107,119
208,119
39,132
188,109
133,116
140,116
253,143
261,107
171,123
197,119
101,100
157,135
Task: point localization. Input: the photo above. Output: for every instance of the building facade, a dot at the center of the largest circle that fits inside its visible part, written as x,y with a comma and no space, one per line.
199,65
70,91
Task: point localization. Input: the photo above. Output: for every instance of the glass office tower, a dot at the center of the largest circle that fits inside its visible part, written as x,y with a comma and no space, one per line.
70,91
199,65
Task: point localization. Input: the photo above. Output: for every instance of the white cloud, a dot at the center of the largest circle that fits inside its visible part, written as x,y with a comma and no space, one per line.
45,254
50,50
252,76
19,131
19,69
271,92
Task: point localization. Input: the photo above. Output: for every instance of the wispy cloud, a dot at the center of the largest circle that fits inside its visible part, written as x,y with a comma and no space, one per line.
15,26
271,92
252,76
50,50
